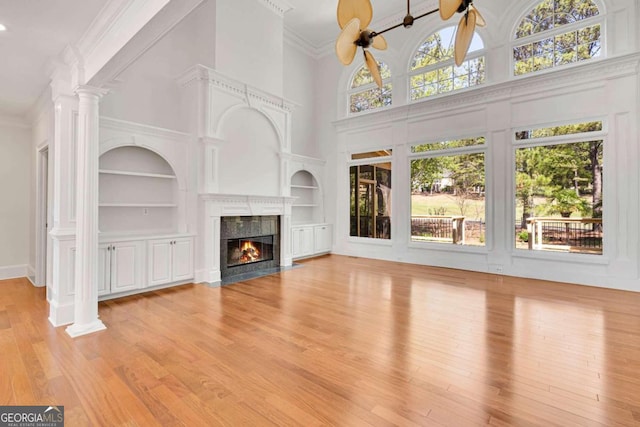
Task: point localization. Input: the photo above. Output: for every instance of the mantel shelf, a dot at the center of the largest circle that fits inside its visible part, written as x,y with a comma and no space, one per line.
131,173
138,205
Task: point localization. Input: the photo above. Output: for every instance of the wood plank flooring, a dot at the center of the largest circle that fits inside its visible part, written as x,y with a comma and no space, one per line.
340,341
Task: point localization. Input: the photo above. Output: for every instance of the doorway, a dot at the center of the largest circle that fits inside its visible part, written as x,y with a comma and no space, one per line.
42,216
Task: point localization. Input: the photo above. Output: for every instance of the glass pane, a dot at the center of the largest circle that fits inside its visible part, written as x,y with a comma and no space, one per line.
370,99
559,130
370,210
559,193
443,145
551,14
448,200
371,154
363,76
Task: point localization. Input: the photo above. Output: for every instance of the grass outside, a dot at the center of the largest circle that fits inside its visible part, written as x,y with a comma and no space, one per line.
447,204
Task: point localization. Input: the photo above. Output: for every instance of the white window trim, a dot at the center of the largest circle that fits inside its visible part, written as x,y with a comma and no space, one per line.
603,258
472,149
442,64
352,91
515,42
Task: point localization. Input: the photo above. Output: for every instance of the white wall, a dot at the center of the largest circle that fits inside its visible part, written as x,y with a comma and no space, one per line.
15,192
606,90
249,44
300,83
147,91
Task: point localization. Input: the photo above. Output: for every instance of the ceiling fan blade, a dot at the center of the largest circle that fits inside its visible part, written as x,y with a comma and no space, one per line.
379,43
448,8
345,44
372,65
464,34
480,22
349,9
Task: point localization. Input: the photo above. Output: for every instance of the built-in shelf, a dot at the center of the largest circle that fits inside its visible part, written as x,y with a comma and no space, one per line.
310,187
138,205
138,192
131,173
305,205
308,203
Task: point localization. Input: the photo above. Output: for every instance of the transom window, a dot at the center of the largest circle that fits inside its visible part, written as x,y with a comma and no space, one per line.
364,95
433,70
557,32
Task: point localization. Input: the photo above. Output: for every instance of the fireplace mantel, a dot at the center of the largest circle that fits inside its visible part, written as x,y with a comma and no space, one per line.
247,205
214,206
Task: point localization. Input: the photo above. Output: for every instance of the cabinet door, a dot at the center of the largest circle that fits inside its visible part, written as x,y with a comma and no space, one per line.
126,266
160,261
322,238
296,242
307,241
182,259
104,269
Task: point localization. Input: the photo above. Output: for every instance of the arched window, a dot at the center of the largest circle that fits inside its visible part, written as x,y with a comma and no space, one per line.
432,68
556,33
364,95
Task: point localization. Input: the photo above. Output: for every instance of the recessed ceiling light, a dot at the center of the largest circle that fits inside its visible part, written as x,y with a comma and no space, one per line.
3,28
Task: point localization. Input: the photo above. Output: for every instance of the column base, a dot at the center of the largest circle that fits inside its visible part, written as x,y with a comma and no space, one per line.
77,330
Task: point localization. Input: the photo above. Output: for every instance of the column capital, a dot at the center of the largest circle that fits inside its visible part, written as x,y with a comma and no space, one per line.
87,91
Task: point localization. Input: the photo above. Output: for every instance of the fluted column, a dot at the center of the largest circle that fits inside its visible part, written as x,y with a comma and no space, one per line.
86,269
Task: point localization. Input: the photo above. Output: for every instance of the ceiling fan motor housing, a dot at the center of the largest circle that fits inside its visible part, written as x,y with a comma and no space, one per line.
464,5
366,38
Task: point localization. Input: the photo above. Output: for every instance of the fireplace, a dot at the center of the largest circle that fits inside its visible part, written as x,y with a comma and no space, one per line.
248,250
249,244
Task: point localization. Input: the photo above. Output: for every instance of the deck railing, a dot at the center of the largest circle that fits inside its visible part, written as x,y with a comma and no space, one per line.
571,234
439,228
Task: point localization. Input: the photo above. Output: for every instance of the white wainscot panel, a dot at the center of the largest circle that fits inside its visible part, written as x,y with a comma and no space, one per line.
445,124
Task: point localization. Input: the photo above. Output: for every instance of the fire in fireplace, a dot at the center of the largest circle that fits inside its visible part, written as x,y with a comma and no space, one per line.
248,250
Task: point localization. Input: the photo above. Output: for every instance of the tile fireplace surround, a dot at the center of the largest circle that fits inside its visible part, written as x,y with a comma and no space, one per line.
214,207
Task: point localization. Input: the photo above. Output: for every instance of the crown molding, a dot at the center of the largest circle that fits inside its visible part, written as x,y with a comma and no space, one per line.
280,7
201,73
593,74
301,44
142,129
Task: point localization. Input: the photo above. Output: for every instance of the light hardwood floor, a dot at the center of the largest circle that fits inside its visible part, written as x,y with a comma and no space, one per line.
340,341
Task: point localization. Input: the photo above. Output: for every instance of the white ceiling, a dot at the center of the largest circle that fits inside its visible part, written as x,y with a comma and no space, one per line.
39,30
314,21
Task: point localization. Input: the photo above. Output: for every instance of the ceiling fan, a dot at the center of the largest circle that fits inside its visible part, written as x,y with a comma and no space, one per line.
354,16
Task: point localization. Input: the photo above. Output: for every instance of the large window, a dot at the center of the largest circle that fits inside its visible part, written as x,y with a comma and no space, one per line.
433,70
370,209
448,192
557,32
364,95
559,188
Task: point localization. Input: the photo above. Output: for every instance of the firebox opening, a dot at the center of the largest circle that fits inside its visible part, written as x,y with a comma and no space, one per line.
249,250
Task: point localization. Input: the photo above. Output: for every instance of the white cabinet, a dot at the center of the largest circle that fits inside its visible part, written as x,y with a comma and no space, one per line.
322,238
170,260
120,267
302,241
308,240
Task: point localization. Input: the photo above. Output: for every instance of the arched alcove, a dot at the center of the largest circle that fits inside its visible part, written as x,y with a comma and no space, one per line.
307,209
138,192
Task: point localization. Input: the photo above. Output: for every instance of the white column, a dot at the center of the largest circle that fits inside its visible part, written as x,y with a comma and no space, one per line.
62,162
86,270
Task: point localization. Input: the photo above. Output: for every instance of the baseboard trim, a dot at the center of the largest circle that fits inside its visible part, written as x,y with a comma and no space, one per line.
13,271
